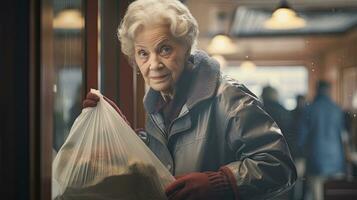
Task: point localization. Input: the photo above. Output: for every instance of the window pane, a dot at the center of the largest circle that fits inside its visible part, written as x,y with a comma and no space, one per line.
68,43
289,81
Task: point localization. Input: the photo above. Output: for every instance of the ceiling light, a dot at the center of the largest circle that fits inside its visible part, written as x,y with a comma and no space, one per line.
284,17
69,19
222,44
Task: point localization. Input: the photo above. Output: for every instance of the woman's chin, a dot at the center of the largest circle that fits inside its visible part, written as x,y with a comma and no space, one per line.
160,84
160,87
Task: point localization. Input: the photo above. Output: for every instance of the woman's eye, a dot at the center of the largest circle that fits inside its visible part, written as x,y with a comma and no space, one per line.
142,54
165,50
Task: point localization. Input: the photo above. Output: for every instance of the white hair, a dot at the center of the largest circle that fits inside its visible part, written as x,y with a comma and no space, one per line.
173,13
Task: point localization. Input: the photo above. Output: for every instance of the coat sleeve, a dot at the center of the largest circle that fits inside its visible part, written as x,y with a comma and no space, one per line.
263,167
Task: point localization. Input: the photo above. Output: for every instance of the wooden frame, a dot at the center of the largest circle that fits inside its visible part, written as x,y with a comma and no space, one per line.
91,45
41,83
119,81
46,100
42,143
126,73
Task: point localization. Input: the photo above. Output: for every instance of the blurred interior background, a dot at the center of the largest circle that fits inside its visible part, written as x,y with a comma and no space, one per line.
53,51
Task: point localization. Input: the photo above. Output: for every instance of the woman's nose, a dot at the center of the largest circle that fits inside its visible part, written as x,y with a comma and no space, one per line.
155,63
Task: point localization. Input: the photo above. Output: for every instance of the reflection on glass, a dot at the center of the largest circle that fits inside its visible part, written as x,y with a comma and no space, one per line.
68,19
68,42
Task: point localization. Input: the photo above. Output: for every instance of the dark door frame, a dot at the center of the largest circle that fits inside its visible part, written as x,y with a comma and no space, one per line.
41,86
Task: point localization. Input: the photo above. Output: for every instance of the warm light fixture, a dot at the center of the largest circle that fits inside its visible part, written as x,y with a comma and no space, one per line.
284,17
68,19
248,65
222,44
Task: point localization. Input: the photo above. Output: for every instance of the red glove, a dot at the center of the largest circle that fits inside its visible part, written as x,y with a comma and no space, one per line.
203,186
92,100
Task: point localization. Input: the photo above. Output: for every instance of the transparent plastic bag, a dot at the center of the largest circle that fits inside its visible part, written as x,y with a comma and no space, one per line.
103,158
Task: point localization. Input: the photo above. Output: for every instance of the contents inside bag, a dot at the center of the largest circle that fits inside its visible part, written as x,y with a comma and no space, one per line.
140,182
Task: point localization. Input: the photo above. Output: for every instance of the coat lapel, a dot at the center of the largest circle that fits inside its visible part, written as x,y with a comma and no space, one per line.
203,87
182,123
157,123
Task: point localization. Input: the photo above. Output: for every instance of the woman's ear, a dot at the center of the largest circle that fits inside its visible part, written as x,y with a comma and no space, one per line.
188,54
188,64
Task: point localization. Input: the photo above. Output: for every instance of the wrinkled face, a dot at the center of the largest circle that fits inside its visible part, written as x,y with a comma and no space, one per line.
160,57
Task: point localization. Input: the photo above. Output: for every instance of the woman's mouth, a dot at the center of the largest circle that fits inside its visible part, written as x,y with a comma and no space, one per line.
159,77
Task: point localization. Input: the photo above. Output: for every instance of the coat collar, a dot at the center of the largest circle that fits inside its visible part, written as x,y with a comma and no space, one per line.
203,85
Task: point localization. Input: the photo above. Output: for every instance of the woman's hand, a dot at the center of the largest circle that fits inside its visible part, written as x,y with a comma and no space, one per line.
201,186
92,101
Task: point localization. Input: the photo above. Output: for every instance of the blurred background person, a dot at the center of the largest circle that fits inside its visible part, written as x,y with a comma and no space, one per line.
320,135
281,116
296,114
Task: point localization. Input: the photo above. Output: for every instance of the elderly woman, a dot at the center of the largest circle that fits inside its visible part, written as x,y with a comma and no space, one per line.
210,131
